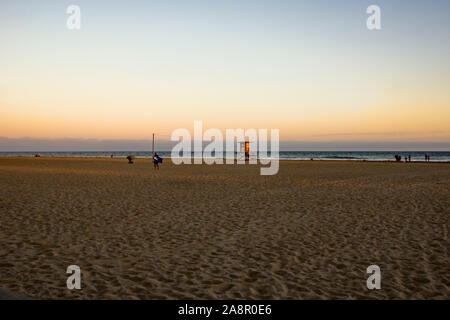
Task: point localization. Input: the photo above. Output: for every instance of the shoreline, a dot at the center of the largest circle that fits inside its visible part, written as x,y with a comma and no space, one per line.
280,160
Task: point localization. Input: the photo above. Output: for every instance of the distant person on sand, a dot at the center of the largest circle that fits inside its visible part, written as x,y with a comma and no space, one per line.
156,161
409,158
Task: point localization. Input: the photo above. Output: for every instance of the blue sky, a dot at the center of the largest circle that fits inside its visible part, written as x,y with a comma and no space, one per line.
310,68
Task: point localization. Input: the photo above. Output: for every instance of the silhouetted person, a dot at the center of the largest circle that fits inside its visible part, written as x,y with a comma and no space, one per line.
155,161
409,158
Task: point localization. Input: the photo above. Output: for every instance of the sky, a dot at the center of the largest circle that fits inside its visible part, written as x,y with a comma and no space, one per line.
311,69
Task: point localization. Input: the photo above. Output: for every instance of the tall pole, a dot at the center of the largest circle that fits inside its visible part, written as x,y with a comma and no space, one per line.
153,146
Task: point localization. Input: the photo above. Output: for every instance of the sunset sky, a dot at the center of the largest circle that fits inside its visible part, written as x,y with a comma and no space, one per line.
310,68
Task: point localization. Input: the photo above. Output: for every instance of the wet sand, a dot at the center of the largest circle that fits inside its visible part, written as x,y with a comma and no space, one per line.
224,232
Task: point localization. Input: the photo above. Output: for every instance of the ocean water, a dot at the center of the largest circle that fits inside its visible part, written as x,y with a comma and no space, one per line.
436,156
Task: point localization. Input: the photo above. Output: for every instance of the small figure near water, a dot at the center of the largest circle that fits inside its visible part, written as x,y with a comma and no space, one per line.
156,161
130,159
398,158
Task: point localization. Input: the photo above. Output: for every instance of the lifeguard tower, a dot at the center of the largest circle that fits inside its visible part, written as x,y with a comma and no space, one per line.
247,150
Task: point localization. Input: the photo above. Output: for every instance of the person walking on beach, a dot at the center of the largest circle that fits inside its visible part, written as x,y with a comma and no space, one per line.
155,161
409,158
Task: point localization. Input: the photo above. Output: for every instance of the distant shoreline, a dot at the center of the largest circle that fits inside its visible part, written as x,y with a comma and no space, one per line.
224,159
371,156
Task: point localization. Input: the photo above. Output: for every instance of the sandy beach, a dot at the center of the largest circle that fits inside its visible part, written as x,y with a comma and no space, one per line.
224,231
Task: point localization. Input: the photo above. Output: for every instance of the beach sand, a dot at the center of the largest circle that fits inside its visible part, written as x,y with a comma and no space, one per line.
224,231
